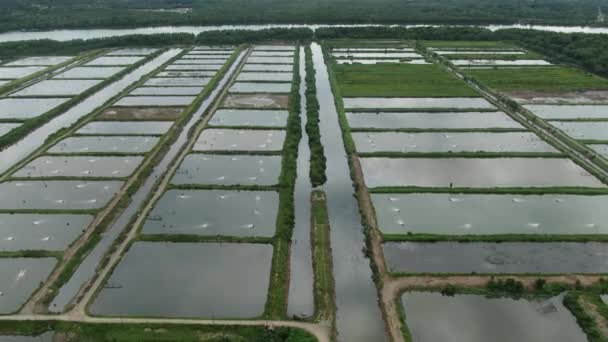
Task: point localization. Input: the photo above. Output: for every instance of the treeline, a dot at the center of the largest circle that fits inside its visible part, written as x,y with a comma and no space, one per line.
317,152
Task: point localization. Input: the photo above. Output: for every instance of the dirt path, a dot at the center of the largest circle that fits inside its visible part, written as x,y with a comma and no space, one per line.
591,310
119,251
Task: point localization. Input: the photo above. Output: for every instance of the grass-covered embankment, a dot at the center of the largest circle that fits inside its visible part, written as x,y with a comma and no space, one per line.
325,306
317,153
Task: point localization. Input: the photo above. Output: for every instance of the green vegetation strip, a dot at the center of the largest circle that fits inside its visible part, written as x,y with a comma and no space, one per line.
325,305
399,80
317,153
276,304
573,301
88,332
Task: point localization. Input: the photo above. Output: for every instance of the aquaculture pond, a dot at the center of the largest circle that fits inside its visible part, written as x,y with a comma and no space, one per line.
267,67
41,60
498,62
22,109
380,61
89,73
569,111
80,166
226,212
416,102
45,337
477,52
228,170
377,54
177,82
249,117
210,280
141,113
240,140
432,317
18,72
272,53
57,88
186,74
265,76
254,101
450,142
476,172
270,60
445,120
19,232
274,48
132,52
120,60
115,144
161,101
260,87
19,278
584,130
205,67
601,149
208,54
488,214
156,91
4,82
57,195
126,127
7,127
212,61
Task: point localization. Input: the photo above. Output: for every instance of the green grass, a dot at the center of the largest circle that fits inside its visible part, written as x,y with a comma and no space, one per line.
81,332
464,55
322,261
539,79
572,301
395,80
468,44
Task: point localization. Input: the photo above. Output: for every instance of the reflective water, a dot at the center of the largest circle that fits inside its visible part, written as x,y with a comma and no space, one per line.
422,102
272,53
18,72
270,60
46,337
265,76
132,52
377,54
27,108
499,62
166,91
41,60
504,257
228,170
126,127
207,54
477,52
57,195
35,139
432,317
40,232
212,61
358,315
136,101
260,87
472,214
270,101
177,82
569,112
57,88
601,149
114,144
371,49
115,60
249,117
81,167
267,67
210,280
274,48
584,130
19,278
141,113
450,142
476,172
208,67
90,72
228,213
468,120
240,140
7,127
380,61
185,73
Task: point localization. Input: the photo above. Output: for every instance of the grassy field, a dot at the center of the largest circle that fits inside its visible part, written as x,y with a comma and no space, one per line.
395,80
464,55
538,79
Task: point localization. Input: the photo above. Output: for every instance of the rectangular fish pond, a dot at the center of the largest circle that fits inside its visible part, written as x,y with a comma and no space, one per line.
202,280
141,113
7,127
416,102
432,317
57,88
476,172
204,67
57,194
569,111
226,212
132,52
115,144
272,53
116,60
256,101
22,109
240,140
10,73
584,130
268,67
177,82
80,166
89,73
489,214
186,74
19,232
249,117
270,60
260,87
40,60
19,278
450,142
498,258
266,76
447,120
199,61
160,101
218,169
601,149
126,127
156,91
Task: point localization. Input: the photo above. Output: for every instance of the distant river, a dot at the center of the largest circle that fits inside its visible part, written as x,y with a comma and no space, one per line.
63,35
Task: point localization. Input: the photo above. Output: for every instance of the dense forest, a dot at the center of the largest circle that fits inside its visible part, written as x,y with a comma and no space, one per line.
46,14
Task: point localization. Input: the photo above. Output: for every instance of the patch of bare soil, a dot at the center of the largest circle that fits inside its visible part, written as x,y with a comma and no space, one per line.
573,97
267,101
141,113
